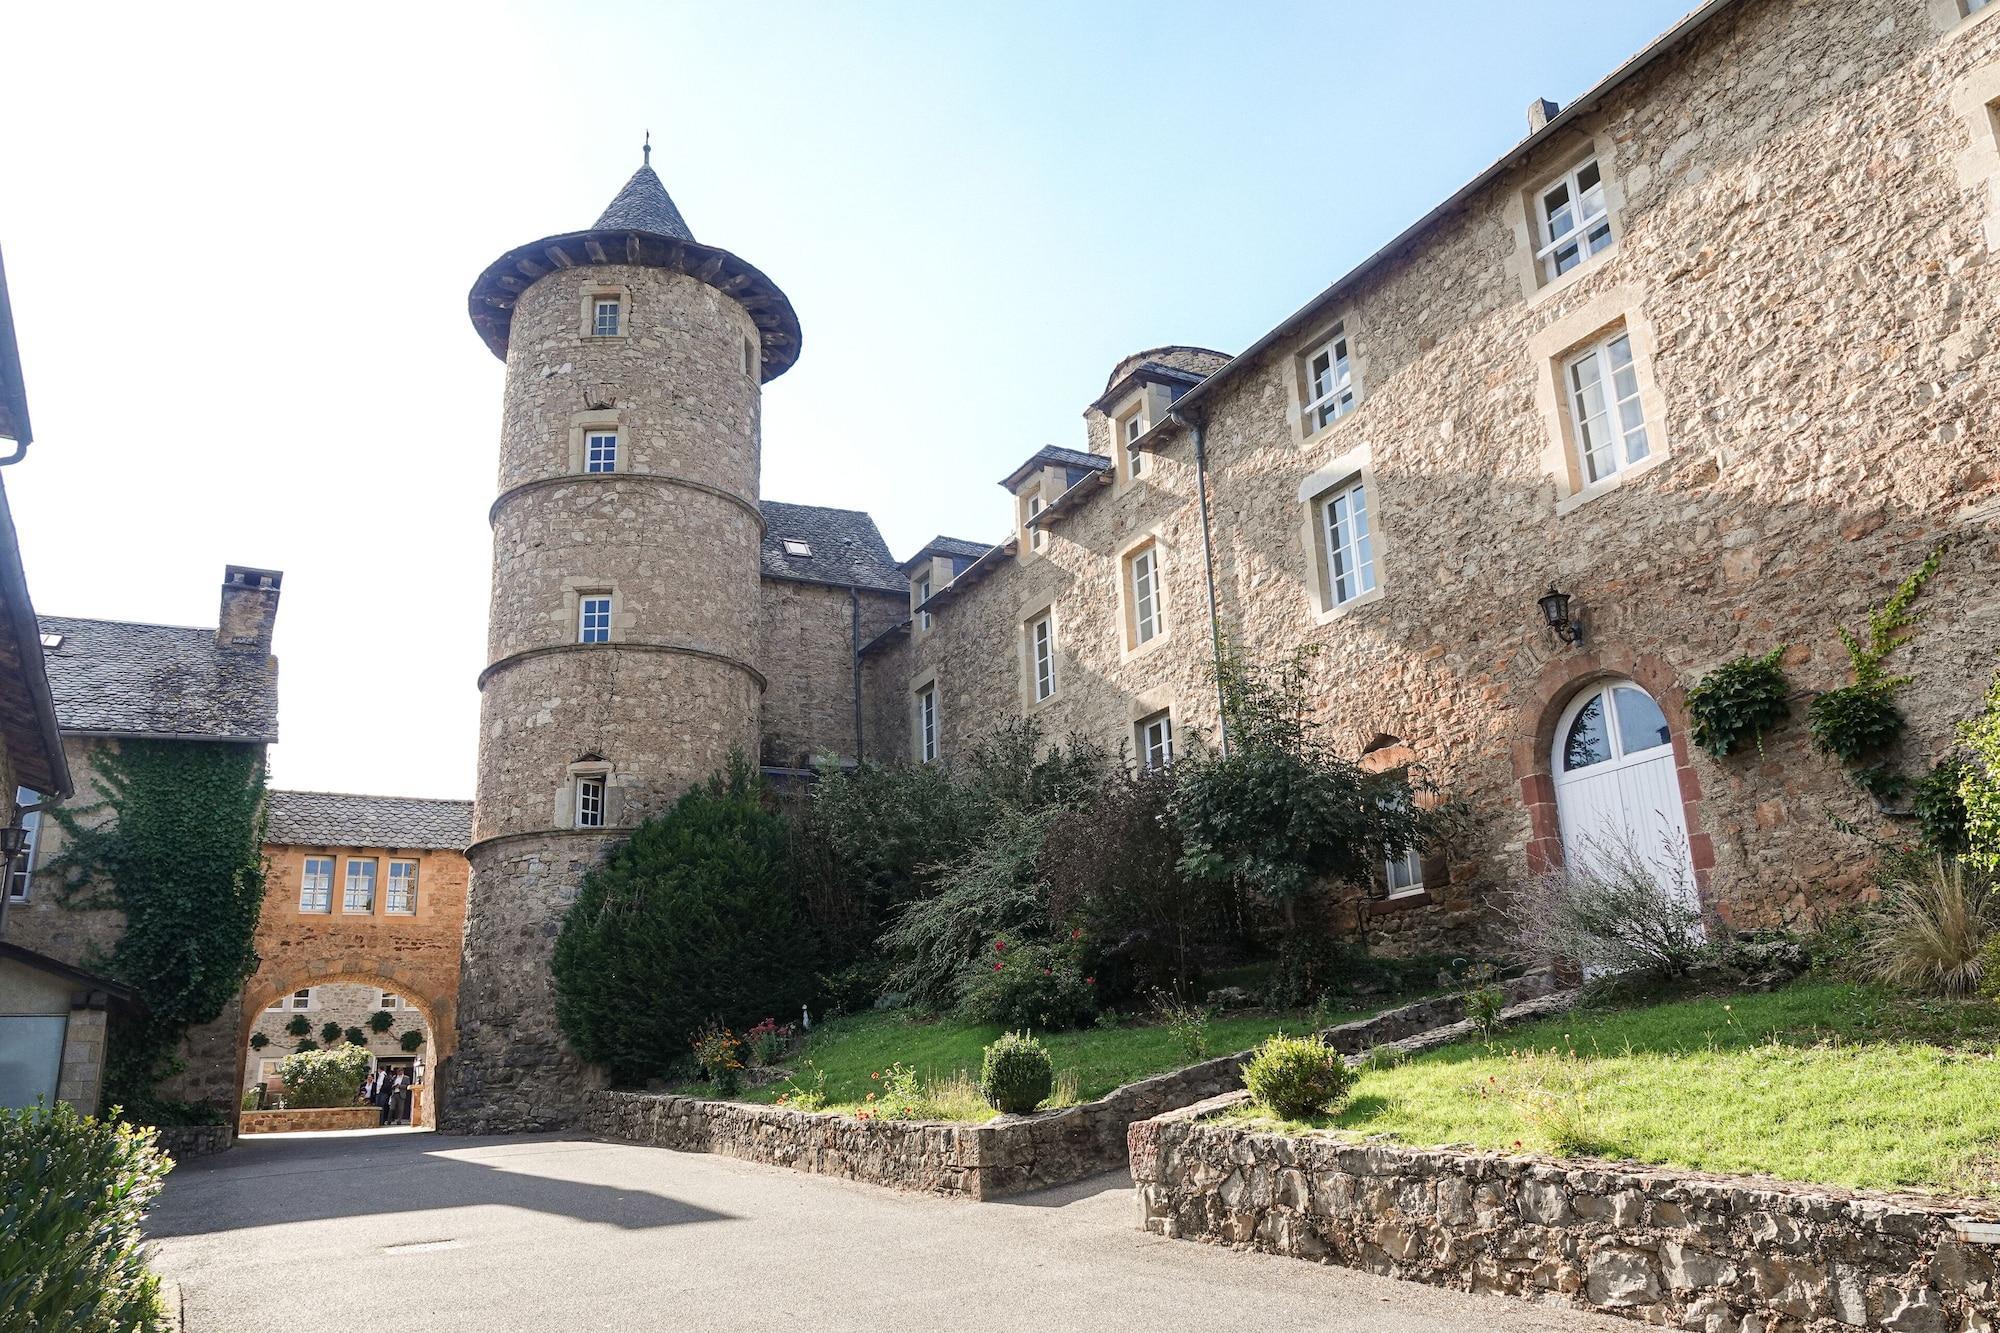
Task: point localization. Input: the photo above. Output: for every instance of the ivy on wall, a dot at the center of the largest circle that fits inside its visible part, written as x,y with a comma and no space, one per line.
175,844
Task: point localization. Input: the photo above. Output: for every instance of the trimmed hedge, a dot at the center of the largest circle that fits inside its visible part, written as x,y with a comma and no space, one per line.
73,1190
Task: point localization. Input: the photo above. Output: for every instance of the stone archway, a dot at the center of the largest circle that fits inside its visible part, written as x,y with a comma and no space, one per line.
439,1012
1558,685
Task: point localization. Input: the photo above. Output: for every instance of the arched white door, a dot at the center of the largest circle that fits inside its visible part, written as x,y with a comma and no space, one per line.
1615,783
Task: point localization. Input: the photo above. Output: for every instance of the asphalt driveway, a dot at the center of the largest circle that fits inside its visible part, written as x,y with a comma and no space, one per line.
413,1232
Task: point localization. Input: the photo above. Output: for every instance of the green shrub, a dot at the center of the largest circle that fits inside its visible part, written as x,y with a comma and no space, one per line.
719,1052
73,1190
1929,932
381,1020
258,1041
324,1078
694,917
1979,782
329,1032
412,1040
1016,1074
355,1037
1939,806
1030,986
1297,1077
1855,721
306,1044
1312,964
299,1026
1739,701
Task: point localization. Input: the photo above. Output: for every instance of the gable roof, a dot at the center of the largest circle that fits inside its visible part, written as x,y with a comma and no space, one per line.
171,682
342,819
644,205
1052,455
847,548
955,547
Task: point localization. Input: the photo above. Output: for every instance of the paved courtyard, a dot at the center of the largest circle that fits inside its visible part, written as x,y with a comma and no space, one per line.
414,1232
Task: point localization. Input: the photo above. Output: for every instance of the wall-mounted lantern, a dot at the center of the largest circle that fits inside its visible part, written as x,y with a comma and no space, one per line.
1555,610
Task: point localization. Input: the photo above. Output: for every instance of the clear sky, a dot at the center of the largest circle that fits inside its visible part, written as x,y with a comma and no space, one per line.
239,240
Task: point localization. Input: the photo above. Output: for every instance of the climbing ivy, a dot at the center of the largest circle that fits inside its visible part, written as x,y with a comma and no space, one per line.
1979,782
1861,719
1738,701
174,844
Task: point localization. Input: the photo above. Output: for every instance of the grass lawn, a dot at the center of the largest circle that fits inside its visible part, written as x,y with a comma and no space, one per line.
1825,1082
1100,1059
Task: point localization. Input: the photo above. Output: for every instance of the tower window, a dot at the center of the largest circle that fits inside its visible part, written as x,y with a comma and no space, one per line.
606,320
590,802
316,885
600,451
593,619
1156,739
749,357
360,895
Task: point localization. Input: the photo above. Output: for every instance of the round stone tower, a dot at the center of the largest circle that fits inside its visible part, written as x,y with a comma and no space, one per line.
622,634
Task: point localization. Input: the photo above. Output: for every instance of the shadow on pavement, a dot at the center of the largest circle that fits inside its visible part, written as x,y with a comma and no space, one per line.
312,1178
1076,1191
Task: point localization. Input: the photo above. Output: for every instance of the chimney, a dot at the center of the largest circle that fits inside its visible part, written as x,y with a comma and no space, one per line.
1540,112
249,607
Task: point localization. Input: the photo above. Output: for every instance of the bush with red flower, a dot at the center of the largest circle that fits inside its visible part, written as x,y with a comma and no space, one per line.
1042,987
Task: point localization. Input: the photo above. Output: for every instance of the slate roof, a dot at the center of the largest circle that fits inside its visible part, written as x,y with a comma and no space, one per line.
341,819
118,678
644,205
1052,454
846,547
956,547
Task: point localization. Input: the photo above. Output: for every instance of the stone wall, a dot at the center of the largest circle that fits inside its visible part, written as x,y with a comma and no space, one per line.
309,1118
1799,205
182,1142
806,636
1690,1251
1000,1157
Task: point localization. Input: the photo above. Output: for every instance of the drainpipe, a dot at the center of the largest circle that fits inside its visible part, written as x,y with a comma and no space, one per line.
1196,425
854,637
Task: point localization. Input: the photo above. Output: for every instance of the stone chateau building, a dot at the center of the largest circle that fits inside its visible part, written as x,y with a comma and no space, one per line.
1708,351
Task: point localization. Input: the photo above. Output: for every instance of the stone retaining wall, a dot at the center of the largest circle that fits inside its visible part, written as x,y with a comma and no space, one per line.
1696,1252
1000,1157
309,1118
181,1142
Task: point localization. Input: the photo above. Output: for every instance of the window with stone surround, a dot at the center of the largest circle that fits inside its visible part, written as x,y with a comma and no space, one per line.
1126,428
590,800
1155,735
1033,507
600,451
298,999
1406,874
389,1000
316,884
1146,609
402,899
1041,633
593,618
1328,376
1572,218
1607,420
927,722
920,592
359,897
606,317
1348,535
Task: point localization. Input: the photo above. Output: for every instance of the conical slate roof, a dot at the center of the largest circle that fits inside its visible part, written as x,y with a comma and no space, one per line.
643,205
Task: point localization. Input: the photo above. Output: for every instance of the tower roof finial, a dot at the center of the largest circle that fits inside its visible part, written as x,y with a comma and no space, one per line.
647,150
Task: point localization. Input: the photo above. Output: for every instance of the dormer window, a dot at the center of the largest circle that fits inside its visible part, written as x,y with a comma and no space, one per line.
1329,381
1130,427
1574,222
600,451
1035,535
606,320
921,593
794,546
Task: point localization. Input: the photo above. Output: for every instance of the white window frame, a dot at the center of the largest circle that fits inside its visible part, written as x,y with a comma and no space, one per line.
1035,534
388,999
797,546
299,1001
361,874
1130,428
405,891
593,617
1155,733
1328,403
1149,606
1347,537
316,892
1601,355
600,449
923,594
23,869
599,304
1411,865
1042,657
1578,235
927,722
589,808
